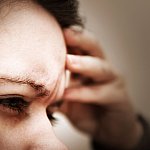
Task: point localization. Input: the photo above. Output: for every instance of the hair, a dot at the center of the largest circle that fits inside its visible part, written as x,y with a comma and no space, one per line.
65,11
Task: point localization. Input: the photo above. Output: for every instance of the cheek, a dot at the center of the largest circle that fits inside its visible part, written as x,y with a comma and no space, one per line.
34,132
11,138
10,135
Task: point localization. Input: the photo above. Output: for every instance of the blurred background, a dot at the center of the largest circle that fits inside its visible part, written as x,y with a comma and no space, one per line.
123,29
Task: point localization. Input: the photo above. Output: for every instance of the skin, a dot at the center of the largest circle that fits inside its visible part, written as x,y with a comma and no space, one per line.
102,102
31,46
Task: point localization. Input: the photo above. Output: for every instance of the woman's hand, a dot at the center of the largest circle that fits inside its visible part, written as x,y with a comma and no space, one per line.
96,100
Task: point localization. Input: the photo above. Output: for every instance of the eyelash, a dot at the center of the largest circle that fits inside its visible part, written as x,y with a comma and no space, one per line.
17,106
14,105
52,119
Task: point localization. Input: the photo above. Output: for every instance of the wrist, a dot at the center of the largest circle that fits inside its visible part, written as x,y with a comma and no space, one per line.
127,142
137,136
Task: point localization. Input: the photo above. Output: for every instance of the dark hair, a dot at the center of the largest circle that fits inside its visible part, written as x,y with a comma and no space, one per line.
65,11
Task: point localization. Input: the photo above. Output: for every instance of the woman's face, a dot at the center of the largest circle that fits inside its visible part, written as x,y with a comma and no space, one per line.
32,60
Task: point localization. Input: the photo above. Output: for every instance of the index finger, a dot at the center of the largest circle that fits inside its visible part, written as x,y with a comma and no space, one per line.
83,41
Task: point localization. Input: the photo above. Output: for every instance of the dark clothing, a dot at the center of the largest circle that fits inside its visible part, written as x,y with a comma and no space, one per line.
144,144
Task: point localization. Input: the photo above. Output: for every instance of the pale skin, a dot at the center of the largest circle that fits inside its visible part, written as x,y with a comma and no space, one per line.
32,67
30,49
100,106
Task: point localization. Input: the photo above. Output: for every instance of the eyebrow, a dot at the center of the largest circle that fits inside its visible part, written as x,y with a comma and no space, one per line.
39,88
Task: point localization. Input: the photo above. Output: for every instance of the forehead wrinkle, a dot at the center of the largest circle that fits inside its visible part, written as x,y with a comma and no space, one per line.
29,48
41,88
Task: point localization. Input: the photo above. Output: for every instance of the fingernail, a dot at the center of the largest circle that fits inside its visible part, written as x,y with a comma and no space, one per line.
77,29
72,59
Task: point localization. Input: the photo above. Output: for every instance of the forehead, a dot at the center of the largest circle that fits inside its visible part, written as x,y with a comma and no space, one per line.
31,43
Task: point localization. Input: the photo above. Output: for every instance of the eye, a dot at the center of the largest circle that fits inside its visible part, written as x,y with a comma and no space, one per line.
51,117
13,105
51,109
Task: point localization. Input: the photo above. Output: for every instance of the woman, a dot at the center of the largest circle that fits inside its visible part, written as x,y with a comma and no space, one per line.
33,63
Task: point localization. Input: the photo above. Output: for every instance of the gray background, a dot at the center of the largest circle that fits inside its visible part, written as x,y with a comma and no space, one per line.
123,29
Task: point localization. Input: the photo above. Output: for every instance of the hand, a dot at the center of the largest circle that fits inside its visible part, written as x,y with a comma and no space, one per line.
96,101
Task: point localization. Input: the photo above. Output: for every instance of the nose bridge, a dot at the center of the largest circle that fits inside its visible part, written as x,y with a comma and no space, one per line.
41,134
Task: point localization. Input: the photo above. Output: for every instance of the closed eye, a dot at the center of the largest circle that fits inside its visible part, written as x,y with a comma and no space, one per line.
52,119
13,105
17,105
51,109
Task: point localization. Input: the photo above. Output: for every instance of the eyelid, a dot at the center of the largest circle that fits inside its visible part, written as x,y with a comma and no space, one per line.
25,98
13,96
54,106
57,103
21,110
10,96
13,105
12,88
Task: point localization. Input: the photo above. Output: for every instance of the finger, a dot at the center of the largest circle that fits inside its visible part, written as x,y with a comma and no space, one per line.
83,41
102,94
95,68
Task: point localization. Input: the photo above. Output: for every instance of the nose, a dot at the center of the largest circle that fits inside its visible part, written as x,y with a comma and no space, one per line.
41,134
